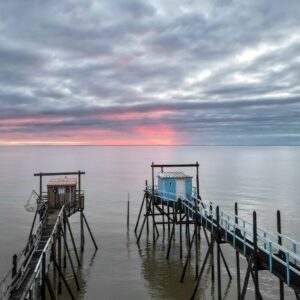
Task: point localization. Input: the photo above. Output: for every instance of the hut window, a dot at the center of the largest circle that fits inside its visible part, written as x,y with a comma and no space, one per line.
170,183
61,190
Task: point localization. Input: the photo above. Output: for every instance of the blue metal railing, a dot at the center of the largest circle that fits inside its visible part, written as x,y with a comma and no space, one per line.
241,230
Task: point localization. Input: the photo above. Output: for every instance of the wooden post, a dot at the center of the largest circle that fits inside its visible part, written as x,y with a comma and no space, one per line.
89,229
41,193
197,180
211,241
128,212
152,199
209,251
168,212
180,228
81,211
43,288
50,289
147,207
65,238
255,256
237,258
72,239
71,261
59,263
218,254
140,212
64,280
14,268
41,186
54,269
281,285
196,241
187,257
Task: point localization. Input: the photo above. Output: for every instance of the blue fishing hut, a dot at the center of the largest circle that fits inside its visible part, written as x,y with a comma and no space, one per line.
174,185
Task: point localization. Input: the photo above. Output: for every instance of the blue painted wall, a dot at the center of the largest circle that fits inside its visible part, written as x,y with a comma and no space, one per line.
167,188
188,188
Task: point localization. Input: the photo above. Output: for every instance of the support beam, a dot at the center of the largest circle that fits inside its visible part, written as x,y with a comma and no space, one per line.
70,259
188,257
43,287
59,263
72,239
50,288
139,216
90,232
64,279
237,258
255,257
218,254
210,249
281,284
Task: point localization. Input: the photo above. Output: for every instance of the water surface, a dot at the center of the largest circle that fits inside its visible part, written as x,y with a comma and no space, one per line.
258,178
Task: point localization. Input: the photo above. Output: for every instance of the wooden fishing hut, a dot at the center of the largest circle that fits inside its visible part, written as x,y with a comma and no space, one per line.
62,191
174,185
38,271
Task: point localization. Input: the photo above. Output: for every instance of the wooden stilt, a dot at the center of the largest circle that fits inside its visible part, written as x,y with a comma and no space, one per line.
65,238
14,267
170,239
72,239
81,232
128,213
90,232
225,264
71,261
187,257
255,258
244,290
54,269
218,254
152,200
180,229
169,224
210,249
281,285
139,216
196,245
59,263
43,287
64,279
237,258
50,289
163,216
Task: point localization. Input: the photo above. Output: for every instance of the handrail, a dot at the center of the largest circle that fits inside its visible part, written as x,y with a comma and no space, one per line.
241,230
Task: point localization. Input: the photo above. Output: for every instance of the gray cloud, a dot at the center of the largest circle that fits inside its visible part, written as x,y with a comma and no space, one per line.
212,71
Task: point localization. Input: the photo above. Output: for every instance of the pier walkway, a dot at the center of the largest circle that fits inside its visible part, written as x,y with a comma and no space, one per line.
263,250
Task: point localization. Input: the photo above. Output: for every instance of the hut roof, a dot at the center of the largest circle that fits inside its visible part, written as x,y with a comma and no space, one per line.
178,175
62,182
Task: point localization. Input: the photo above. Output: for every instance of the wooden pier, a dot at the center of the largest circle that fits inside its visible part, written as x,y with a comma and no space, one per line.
47,248
273,252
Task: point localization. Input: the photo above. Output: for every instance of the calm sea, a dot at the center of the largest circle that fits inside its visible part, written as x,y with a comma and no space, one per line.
258,178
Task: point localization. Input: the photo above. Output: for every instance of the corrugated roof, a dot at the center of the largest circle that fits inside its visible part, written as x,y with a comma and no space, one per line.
174,175
62,181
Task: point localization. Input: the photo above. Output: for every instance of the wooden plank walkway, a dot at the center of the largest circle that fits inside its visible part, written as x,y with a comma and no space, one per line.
24,282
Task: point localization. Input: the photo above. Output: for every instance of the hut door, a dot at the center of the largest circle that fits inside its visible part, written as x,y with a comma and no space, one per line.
180,189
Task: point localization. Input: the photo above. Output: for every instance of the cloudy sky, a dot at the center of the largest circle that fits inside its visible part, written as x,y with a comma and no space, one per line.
149,72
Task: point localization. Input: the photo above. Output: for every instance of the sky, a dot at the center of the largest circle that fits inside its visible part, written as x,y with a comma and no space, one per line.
168,72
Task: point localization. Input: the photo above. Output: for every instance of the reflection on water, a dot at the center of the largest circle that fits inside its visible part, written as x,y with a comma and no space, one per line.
260,178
